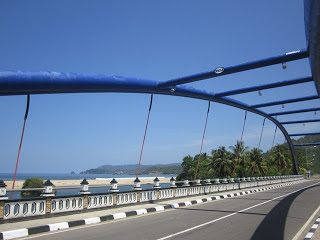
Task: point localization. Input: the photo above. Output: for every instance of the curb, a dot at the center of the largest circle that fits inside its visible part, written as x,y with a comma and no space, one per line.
313,229
24,232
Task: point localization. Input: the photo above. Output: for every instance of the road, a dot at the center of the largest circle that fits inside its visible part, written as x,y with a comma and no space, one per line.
273,214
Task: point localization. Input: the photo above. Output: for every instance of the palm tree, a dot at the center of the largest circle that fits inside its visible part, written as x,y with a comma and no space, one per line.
256,161
279,157
221,162
238,152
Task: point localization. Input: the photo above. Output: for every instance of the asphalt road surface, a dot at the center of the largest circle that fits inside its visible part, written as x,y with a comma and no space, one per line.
273,214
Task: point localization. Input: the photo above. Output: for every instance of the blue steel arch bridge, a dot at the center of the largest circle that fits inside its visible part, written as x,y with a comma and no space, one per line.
28,83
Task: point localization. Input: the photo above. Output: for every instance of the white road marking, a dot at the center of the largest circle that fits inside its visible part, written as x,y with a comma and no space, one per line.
306,224
218,219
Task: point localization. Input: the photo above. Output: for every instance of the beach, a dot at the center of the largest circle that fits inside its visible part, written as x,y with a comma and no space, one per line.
92,182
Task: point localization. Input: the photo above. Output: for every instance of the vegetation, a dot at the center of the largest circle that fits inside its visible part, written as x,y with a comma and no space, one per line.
241,161
32,183
159,169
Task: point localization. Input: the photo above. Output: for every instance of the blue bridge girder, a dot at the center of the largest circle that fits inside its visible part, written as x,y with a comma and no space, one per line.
27,83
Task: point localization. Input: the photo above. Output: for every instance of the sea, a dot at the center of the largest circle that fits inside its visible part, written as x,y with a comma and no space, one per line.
74,191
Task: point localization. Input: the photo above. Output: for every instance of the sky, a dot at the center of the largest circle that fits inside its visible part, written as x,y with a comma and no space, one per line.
156,40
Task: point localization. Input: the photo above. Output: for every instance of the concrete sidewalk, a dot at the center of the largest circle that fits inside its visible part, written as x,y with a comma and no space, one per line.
38,225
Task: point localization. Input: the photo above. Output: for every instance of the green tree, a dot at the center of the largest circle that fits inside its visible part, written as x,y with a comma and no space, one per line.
257,163
32,183
280,157
239,152
222,162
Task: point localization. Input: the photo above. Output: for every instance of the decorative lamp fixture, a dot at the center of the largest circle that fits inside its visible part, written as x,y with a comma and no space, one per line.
284,65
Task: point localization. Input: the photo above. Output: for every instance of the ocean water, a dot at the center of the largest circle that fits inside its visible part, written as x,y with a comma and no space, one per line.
75,191
63,176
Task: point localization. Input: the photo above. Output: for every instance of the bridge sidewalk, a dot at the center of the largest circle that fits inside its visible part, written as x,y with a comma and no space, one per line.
58,222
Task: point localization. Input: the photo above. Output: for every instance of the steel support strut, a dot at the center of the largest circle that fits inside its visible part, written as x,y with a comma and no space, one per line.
221,71
17,83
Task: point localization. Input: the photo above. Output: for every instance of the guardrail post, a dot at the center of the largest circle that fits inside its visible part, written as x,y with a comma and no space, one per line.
85,201
248,182
48,205
253,182
217,183
243,183
3,196
237,182
1,209
3,190
115,198
187,185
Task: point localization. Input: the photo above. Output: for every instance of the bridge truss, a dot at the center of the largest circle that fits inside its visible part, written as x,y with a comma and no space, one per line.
27,83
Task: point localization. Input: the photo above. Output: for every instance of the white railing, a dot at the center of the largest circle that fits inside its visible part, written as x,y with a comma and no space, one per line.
24,209
127,198
35,207
181,192
148,195
204,189
66,204
193,190
98,201
165,193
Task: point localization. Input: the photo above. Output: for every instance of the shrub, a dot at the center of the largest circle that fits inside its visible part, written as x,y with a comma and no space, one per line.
32,183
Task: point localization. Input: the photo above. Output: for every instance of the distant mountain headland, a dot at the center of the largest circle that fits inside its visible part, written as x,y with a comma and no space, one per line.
157,169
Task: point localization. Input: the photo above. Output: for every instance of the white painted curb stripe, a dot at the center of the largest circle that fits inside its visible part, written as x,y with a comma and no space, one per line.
92,220
175,205
58,226
15,233
119,215
309,235
159,208
141,211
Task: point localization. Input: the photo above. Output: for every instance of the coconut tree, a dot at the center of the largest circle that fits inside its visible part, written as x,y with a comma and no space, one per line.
279,157
257,164
222,162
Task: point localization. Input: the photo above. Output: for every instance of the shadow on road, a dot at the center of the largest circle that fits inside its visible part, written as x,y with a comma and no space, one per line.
273,225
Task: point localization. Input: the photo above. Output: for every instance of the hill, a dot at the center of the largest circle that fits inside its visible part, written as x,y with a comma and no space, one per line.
158,169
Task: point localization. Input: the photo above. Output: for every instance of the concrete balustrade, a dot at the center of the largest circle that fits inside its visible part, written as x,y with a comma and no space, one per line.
50,204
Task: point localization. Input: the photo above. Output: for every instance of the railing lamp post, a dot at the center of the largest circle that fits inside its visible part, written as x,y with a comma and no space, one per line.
137,184
84,187
156,183
172,183
3,190
48,189
114,186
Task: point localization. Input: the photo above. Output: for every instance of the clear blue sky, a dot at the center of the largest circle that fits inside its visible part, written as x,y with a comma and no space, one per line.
156,40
